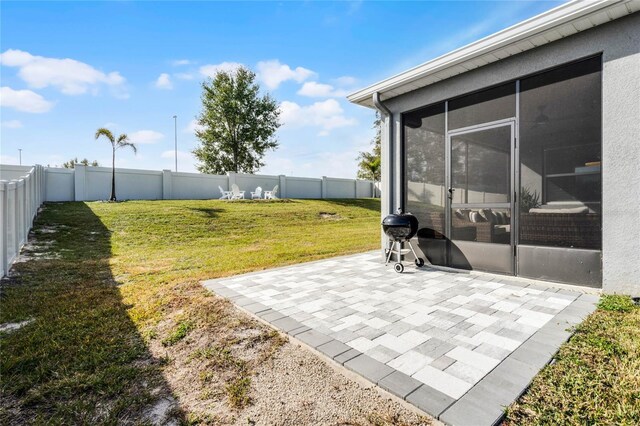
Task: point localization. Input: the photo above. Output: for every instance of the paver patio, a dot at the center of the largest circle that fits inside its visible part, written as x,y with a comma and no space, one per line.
460,346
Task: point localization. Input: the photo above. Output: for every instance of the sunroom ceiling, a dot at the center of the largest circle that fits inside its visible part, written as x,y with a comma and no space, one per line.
562,21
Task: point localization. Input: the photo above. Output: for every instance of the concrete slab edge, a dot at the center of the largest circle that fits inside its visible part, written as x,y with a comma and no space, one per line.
216,281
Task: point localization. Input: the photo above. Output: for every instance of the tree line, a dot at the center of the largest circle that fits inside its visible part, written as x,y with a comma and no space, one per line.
236,128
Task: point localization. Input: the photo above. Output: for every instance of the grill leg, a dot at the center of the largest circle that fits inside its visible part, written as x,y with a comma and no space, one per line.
390,252
412,250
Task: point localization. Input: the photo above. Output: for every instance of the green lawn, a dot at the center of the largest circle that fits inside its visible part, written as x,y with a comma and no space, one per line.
114,291
595,379
120,320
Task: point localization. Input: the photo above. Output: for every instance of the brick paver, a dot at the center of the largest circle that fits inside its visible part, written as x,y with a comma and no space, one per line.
426,333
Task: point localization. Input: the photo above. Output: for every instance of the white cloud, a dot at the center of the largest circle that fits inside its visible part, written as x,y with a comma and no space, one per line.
327,115
69,76
145,136
318,90
273,73
182,155
181,62
12,124
192,127
341,164
210,70
24,100
184,76
164,82
346,81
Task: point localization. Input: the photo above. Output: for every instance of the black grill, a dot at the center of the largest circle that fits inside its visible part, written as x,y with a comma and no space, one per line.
400,228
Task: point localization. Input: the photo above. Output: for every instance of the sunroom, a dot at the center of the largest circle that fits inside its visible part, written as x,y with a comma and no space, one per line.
519,153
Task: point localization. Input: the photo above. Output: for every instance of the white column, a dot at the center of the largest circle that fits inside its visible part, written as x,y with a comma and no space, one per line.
324,187
12,238
167,185
79,177
3,229
19,213
283,186
231,177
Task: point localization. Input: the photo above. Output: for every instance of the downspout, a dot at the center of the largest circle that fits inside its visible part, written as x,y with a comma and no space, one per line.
389,185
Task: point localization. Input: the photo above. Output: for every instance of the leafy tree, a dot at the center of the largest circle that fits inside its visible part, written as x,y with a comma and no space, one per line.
71,164
369,162
121,142
237,124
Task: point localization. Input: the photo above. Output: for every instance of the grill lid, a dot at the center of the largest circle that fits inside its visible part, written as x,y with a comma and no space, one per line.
400,226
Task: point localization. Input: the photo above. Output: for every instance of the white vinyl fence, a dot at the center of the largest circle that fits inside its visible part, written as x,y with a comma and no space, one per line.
94,183
24,188
22,191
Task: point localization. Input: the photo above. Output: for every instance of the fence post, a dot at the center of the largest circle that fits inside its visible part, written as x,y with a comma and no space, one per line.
167,184
19,216
283,186
32,195
4,263
79,178
231,176
355,188
26,209
11,220
324,187
43,182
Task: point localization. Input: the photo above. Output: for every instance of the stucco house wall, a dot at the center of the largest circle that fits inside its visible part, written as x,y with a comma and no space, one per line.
619,43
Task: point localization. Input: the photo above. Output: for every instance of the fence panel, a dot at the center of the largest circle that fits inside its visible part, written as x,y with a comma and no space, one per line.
299,187
20,198
340,188
249,183
196,186
59,184
130,184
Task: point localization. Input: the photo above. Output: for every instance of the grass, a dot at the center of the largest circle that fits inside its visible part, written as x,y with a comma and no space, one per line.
179,333
596,376
121,321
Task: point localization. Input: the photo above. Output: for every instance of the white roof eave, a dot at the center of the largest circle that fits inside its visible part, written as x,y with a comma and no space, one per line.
495,44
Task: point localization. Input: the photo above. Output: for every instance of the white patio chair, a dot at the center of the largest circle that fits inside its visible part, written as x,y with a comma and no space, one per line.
236,194
271,195
257,194
226,195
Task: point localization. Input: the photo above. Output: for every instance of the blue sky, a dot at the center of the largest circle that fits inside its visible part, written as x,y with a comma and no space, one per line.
68,68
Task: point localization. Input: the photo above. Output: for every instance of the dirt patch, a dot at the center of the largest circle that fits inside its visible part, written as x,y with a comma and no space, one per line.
296,387
13,326
329,216
35,249
241,372
161,412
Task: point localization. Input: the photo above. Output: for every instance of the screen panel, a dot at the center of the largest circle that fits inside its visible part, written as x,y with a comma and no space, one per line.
560,157
424,170
483,107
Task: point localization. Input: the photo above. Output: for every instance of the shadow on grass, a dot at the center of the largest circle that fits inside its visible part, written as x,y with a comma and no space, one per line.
209,212
364,203
82,359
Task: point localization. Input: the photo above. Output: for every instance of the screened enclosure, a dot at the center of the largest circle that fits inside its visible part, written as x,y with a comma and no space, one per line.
508,179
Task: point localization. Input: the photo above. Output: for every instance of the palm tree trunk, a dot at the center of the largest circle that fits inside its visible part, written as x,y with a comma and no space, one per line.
113,176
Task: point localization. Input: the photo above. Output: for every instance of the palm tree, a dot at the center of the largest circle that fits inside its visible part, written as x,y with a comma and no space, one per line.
121,142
